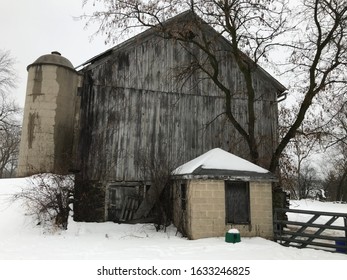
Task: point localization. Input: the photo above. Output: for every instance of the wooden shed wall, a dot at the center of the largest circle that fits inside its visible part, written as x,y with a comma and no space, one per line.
133,105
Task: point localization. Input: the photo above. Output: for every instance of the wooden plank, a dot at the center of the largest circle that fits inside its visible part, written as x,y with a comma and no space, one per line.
309,225
311,243
130,206
123,213
309,235
311,212
304,227
320,230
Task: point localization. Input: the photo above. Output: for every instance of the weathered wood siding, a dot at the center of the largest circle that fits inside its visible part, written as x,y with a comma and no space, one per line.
133,105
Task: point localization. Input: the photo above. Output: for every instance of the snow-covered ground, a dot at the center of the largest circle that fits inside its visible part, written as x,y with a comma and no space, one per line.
21,239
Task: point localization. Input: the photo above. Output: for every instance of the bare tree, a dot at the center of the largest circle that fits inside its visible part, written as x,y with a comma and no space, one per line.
295,159
9,112
308,182
335,145
317,46
9,150
8,108
319,57
47,197
336,172
7,73
335,127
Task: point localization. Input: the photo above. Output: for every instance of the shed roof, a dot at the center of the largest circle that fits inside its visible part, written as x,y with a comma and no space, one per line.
219,164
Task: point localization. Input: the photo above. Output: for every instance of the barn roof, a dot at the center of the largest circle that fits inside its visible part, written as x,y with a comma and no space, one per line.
183,17
219,164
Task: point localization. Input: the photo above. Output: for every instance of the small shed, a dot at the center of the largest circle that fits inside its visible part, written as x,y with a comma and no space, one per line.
218,191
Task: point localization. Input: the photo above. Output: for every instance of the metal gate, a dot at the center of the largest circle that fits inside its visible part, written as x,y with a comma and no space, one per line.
311,233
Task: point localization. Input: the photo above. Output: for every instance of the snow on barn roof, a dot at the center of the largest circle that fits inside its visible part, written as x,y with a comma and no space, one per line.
218,163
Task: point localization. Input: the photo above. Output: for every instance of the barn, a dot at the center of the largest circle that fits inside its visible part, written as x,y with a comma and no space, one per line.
133,110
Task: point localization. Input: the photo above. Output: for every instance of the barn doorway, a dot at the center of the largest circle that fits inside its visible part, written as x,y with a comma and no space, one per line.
124,200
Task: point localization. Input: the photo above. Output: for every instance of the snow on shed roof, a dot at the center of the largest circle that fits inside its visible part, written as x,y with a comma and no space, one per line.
219,163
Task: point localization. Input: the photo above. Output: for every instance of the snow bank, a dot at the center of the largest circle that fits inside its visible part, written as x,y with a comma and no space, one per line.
315,205
20,239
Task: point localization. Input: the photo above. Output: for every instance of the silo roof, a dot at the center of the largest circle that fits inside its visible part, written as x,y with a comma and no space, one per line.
54,58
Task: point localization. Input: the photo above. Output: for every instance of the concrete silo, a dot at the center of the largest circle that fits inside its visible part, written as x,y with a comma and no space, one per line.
49,116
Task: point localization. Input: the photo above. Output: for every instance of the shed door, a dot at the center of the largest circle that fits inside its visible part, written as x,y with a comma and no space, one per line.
237,202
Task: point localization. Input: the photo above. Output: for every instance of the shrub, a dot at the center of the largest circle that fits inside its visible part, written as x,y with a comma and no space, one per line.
48,197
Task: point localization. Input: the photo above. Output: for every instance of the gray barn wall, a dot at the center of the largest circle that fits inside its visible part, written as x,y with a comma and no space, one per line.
131,104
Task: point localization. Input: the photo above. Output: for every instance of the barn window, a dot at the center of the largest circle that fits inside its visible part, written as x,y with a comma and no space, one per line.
237,202
183,196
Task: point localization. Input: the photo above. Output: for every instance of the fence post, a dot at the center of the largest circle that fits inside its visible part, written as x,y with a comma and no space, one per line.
275,224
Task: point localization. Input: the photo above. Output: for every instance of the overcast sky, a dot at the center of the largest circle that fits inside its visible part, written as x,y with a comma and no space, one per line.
31,28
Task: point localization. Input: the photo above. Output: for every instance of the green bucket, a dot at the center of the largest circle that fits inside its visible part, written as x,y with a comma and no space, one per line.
231,237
